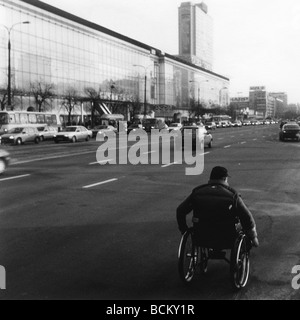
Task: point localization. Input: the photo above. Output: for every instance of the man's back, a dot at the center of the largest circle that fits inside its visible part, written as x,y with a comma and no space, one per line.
214,215
216,207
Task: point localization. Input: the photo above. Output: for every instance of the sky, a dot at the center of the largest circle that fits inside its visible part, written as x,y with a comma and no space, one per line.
256,42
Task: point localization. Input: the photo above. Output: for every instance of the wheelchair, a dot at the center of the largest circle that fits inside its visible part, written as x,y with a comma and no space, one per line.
193,255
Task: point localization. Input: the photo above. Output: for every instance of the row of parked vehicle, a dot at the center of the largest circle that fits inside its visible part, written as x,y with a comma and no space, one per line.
212,125
23,135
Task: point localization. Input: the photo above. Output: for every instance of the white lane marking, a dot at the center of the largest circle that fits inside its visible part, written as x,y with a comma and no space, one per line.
220,138
99,183
254,139
168,165
243,142
16,177
227,147
53,157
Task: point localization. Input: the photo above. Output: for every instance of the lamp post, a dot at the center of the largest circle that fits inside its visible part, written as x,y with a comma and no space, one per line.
9,30
145,89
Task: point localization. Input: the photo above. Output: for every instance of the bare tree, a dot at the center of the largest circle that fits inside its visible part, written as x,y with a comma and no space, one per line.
71,100
42,91
3,99
95,97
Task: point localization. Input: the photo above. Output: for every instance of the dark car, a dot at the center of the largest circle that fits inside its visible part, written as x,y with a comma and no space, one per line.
290,131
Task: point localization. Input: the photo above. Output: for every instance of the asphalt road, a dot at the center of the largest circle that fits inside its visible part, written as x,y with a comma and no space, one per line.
73,229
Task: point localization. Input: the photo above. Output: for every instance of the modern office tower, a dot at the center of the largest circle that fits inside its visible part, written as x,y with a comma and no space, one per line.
196,34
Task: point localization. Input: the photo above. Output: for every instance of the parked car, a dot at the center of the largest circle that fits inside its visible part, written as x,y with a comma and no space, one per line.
246,123
134,127
210,125
103,129
154,123
4,160
20,136
47,132
73,134
224,124
237,123
290,131
198,134
218,124
175,126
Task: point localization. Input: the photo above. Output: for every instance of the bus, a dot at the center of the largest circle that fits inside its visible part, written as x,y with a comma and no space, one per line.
14,119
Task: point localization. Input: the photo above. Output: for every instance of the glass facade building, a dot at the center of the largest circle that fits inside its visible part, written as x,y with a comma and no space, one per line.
73,54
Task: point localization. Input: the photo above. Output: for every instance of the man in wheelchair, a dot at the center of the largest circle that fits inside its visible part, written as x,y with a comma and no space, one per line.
216,210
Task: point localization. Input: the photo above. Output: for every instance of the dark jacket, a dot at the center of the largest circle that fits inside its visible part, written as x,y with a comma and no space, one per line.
216,207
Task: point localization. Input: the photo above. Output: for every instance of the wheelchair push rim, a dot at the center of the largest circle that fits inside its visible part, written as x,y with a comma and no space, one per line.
187,257
240,263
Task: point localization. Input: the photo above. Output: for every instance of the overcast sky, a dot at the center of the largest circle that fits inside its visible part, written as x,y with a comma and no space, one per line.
256,42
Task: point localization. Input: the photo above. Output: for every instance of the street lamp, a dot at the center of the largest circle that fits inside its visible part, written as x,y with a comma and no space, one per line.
145,89
9,30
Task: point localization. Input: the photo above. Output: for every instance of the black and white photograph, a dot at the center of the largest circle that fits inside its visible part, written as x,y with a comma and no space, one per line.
149,152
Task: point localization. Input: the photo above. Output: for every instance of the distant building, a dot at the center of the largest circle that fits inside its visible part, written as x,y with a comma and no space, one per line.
267,104
280,100
196,34
241,104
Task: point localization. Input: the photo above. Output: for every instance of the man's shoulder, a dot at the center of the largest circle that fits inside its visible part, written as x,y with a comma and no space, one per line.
203,186
218,186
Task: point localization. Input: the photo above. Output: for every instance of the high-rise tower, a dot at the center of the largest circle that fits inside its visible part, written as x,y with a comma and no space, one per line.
196,34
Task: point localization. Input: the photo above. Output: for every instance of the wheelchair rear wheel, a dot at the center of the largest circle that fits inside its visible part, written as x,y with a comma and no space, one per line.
240,263
187,257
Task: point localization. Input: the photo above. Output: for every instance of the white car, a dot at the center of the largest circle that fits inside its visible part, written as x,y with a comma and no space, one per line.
175,126
198,134
103,130
4,160
47,132
73,134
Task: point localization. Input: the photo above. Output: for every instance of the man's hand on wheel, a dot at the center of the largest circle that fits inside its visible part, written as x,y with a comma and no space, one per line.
255,242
